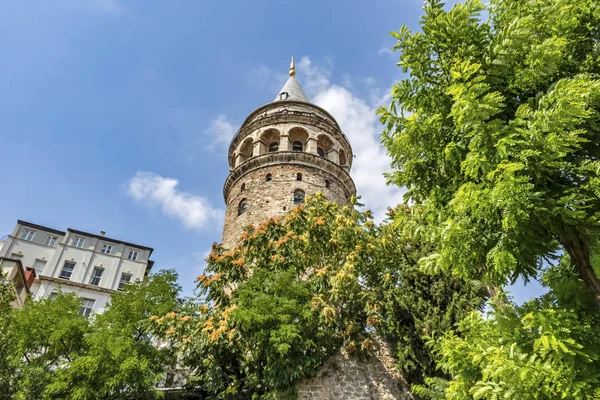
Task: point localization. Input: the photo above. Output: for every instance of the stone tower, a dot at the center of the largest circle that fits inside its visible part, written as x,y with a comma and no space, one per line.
284,151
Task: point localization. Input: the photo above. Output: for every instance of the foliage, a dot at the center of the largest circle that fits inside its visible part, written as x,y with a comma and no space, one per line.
495,133
415,304
121,361
48,334
545,349
296,289
7,295
54,352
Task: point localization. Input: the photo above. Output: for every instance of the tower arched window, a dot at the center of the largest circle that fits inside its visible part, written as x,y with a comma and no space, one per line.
343,160
327,183
242,207
268,178
298,138
298,197
243,187
299,176
324,145
273,147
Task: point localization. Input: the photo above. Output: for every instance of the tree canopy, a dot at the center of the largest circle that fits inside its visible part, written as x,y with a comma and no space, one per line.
495,131
294,290
50,351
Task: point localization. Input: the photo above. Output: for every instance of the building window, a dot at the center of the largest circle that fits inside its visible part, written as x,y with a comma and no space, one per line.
298,197
78,242
87,305
27,235
299,177
243,187
242,207
133,255
268,177
274,146
327,183
106,249
96,276
297,146
39,265
320,151
50,240
125,279
67,270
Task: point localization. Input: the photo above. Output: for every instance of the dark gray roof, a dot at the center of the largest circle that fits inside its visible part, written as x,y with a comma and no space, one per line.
291,91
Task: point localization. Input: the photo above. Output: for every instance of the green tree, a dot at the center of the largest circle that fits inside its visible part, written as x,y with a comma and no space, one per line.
495,133
545,349
7,334
48,334
50,351
121,360
415,304
294,290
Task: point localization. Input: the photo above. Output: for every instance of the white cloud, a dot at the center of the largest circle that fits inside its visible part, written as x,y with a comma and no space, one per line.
220,130
359,122
187,123
347,81
109,6
316,78
385,51
193,211
264,78
103,6
149,74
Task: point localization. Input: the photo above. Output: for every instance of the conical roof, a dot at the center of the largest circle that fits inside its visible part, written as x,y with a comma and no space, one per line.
291,91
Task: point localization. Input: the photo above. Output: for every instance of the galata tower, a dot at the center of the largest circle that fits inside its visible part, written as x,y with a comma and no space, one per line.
284,151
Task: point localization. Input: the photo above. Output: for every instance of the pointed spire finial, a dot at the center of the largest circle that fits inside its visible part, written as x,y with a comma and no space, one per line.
292,67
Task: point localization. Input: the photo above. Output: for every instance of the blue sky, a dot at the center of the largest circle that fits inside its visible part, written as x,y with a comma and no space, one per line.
115,115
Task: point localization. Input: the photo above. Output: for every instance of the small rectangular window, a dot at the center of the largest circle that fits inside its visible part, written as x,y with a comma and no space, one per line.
133,255
125,279
27,235
67,270
39,266
96,276
78,241
87,305
50,240
106,249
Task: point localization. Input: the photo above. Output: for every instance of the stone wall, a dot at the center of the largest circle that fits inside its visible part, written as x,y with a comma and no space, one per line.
347,377
276,197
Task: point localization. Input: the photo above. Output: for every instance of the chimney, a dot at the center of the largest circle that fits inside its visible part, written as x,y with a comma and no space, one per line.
29,276
102,233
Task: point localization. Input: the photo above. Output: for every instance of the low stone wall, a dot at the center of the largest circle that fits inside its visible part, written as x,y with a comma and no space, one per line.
347,377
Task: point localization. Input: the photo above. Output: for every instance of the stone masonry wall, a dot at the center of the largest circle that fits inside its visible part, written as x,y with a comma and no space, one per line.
274,198
347,377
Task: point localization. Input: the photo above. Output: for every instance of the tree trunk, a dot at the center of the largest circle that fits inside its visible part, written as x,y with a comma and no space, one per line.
496,293
579,252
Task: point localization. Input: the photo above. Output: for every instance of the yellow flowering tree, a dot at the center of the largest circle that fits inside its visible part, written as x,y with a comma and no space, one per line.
294,291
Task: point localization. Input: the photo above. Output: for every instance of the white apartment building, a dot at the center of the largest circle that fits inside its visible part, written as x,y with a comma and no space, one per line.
92,266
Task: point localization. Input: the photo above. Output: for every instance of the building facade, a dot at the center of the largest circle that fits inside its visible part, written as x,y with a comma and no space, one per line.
284,151
92,266
20,279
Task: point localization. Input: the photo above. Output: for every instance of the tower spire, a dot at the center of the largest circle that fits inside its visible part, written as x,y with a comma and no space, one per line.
292,67
292,90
